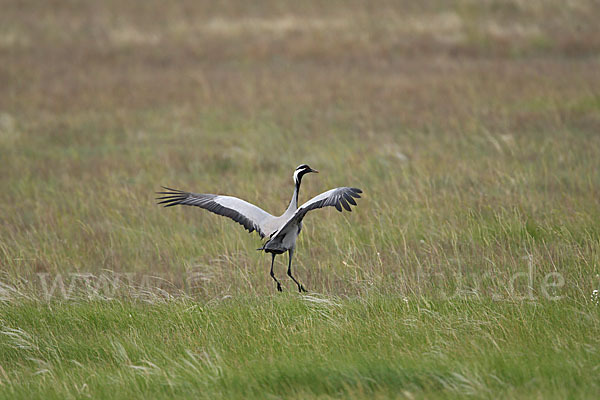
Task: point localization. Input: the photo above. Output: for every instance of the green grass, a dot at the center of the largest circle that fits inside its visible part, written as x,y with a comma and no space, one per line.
471,126
293,347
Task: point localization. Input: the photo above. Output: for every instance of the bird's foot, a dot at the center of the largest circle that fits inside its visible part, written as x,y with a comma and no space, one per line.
301,289
279,287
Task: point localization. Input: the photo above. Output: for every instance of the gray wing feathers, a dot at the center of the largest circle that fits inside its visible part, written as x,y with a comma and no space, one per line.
338,198
244,213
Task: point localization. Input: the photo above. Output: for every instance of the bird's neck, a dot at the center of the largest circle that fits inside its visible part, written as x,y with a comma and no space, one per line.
294,202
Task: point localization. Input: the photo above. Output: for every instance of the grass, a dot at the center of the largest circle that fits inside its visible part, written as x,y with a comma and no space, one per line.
286,346
465,270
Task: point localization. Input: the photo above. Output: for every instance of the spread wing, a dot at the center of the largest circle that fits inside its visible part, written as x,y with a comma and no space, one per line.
338,198
253,218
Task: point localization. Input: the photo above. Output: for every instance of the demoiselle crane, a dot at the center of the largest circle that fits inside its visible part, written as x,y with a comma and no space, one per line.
281,231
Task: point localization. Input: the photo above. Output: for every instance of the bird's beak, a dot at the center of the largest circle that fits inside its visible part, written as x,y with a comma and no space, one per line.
314,170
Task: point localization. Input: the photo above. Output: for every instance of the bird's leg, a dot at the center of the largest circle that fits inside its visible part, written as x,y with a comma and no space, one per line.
273,275
300,287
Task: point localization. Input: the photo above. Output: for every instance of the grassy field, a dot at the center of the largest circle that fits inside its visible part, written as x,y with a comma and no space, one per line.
467,268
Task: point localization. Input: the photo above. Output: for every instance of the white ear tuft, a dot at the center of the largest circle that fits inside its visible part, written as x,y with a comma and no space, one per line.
296,175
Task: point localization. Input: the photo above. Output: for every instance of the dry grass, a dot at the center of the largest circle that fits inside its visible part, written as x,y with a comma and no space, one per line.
455,118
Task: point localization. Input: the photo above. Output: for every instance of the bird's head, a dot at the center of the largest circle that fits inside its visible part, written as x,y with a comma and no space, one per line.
300,171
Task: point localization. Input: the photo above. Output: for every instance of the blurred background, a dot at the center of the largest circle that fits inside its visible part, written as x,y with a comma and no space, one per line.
472,127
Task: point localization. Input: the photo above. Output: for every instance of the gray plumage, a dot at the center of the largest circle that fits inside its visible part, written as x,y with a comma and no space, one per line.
250,216
281,231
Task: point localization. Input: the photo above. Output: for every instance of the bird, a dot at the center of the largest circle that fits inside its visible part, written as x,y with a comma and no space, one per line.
280,232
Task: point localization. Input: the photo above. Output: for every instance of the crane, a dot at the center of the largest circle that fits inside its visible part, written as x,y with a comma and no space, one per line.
281,232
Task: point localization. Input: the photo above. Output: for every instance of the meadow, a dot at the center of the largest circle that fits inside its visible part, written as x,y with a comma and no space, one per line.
467,269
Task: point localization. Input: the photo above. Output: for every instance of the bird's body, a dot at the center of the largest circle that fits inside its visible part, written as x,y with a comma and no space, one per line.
282,232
